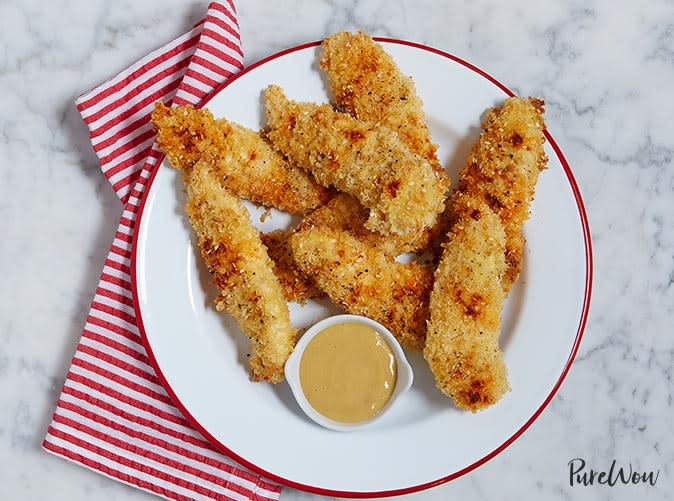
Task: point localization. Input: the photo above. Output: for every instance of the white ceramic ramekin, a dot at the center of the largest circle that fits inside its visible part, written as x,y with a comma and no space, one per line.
292,371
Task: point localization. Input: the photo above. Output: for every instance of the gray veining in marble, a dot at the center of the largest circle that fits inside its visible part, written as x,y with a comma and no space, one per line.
606,71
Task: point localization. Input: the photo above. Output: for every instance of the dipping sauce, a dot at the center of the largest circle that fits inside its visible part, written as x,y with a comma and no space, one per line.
348,372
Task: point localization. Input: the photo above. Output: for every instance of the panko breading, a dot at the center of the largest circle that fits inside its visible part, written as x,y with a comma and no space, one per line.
242,271
243,161
401,189
365,281
295,284
345,213
502,171
368,84
462,346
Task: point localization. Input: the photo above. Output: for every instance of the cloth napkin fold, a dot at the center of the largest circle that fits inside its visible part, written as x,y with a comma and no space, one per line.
113,416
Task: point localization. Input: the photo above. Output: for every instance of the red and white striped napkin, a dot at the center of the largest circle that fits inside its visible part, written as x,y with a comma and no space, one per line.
113,415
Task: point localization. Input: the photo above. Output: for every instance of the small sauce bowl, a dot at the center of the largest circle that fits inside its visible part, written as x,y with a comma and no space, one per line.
404,375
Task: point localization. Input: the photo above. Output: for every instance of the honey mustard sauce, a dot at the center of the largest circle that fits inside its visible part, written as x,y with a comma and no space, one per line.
348,372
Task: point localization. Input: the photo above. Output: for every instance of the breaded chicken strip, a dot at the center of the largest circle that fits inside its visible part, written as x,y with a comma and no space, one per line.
345,213
368,84
462,346
502,171
401,189
296,285
242,271
365,281
243,161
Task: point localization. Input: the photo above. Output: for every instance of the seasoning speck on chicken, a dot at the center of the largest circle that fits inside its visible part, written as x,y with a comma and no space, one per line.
242,271
241,159
400,188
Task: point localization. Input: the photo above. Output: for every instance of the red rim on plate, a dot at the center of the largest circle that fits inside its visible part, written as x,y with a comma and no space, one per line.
407,490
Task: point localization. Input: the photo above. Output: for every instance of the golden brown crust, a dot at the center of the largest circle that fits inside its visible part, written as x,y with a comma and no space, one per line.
465,306
243,161
401,189
242,271
502,171
366,281
368,84
345,213
296,285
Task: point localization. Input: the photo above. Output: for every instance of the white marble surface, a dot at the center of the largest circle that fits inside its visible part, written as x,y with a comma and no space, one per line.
606,71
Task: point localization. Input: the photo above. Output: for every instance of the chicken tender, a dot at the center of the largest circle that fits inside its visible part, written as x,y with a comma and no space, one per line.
365,281
345,213
342,213
502,170
242,160
242,271
462,347
401,189
296,285
368,84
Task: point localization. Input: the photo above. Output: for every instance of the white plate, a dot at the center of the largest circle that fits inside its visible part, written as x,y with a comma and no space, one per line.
200,355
